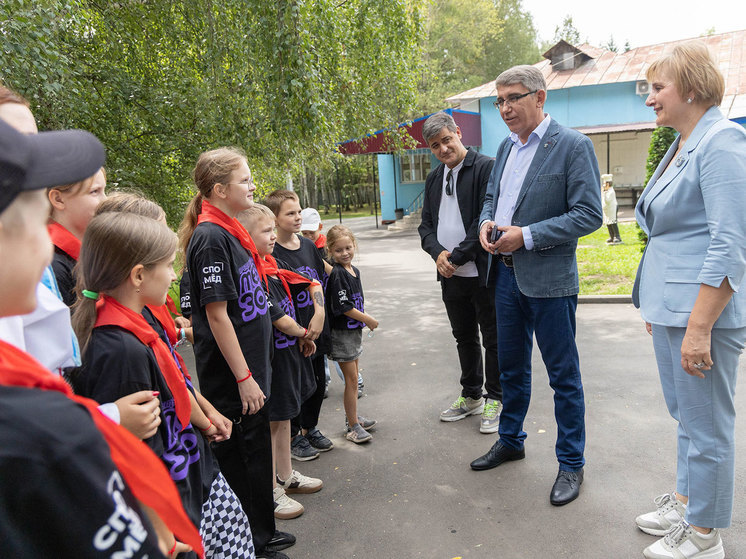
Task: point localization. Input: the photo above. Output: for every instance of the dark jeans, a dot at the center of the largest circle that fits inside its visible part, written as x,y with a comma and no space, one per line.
246,463
470,309
311,408
552,319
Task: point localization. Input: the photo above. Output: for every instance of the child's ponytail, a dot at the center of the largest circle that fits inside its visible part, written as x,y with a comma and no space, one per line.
113,244
214,166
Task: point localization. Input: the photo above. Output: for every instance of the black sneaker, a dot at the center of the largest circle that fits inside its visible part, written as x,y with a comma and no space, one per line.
301,449
319,441
280,541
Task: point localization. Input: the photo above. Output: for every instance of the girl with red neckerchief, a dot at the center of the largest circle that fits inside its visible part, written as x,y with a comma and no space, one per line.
126,264
72,208
233,333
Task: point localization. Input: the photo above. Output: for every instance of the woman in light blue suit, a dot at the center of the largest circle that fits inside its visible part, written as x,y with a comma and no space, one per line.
689,289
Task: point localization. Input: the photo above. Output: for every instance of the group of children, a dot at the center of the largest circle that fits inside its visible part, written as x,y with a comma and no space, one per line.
252,294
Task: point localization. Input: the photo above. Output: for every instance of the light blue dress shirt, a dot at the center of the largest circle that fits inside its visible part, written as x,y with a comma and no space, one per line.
514,174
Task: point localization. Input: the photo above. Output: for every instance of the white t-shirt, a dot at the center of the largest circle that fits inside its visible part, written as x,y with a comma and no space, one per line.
451,230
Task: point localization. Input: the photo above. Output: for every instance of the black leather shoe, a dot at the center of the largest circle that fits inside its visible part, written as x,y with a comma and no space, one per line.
566,487
496,456
280,541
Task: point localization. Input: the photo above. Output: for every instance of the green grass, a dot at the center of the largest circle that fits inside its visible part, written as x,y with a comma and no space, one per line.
361,212
608,269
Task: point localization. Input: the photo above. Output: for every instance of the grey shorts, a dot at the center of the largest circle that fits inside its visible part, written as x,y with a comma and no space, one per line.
347,345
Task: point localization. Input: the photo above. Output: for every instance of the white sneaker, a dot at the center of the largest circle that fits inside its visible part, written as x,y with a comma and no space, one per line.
669,512
285,507
461,408
298,483
491,416
683,542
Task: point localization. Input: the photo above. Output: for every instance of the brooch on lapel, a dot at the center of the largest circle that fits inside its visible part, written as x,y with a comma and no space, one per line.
679,161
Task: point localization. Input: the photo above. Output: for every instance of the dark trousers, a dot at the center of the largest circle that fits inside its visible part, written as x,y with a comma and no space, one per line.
552,319
311,408
470,309
246,463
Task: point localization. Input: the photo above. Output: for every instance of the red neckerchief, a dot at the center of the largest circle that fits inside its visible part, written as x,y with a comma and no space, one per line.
64,240
112,313
211,214
320,241
286,276
144,473
163,315
172,306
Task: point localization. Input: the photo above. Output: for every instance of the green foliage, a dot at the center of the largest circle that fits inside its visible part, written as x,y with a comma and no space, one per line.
161,81
468,43
660,141
611,44
567,32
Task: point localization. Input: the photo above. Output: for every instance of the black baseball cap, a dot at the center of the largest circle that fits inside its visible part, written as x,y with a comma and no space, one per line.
34,161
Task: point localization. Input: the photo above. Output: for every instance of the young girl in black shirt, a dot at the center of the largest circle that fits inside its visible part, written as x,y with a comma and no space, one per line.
126,260
344,294
73,206
233,332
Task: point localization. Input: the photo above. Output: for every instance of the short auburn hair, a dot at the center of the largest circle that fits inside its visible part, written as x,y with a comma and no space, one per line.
275,199
692,69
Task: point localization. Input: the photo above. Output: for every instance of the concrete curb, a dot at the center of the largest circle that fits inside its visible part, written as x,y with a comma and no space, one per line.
624,299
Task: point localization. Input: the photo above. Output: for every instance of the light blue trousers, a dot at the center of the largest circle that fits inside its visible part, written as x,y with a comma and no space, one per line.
706,416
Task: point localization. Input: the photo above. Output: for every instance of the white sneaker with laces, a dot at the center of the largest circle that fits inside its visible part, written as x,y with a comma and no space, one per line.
669,512
491,416
298,483
285,507
683,542
461,408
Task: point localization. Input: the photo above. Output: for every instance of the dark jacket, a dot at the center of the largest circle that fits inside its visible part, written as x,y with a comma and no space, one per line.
470,191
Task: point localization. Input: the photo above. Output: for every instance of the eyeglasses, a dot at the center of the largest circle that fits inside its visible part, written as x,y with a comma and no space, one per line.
512,99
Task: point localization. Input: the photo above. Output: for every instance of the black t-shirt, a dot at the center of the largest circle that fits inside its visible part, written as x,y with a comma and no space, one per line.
220,269
116,364
61,495
185,295
290,370
344,292
62,265
307,261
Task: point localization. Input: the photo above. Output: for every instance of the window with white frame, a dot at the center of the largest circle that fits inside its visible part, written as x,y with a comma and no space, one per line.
415,165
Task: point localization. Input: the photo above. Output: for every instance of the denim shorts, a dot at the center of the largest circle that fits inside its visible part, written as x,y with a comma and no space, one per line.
347,345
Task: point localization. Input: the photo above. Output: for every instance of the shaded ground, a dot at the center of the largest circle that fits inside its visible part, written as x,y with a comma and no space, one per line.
410,492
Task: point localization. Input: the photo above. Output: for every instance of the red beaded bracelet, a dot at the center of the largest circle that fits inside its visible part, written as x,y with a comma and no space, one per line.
170,553
208,427
247,377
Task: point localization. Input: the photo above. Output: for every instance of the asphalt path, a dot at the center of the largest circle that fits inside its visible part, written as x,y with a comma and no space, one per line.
410,491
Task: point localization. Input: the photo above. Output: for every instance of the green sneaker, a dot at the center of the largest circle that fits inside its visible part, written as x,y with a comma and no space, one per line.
462,408
491,416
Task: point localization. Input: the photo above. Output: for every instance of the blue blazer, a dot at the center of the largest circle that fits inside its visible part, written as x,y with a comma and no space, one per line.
694,213
560,201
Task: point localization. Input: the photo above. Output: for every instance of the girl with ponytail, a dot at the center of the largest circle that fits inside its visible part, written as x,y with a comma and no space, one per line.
233,332
125,264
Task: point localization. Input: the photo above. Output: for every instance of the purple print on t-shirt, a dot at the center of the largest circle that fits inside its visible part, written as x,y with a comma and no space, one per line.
357,300
282,340
304,297
182,448
251,296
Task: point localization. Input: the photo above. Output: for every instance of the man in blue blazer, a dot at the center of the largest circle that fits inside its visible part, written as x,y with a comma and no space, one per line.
543,194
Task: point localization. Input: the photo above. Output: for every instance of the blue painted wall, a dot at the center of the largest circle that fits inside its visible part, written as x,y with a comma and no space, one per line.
389,177
593,105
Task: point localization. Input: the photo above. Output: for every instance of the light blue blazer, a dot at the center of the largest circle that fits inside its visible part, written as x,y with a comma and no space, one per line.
694,214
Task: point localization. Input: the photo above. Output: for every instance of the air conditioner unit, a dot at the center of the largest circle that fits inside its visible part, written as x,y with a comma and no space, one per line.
642,88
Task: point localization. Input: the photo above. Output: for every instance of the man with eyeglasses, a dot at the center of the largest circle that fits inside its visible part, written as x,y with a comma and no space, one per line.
454,193
543,194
